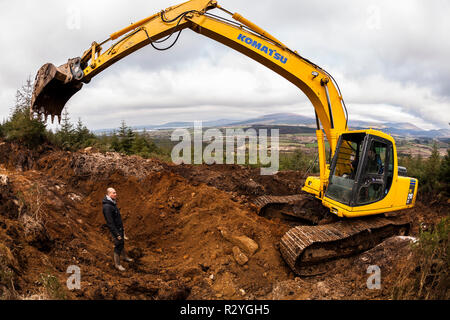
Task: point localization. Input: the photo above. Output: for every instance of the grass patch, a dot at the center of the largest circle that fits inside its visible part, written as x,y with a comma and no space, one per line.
426,277
55,290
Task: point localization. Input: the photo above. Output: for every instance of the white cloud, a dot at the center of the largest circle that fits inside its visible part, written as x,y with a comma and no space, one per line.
410,101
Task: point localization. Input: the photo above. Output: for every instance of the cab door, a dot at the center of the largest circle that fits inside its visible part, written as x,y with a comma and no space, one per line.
376,172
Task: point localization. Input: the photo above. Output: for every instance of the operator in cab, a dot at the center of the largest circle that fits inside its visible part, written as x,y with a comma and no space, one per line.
373,177
375,165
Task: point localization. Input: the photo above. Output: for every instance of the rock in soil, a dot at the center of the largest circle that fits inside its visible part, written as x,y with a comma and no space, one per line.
239,256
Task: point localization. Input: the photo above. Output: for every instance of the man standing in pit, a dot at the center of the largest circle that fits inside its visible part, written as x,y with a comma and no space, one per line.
114,222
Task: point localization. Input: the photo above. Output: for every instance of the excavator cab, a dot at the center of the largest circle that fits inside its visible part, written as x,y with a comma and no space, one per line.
364,177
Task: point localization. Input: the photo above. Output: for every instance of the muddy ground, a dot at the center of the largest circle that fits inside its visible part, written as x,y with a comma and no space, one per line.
175,218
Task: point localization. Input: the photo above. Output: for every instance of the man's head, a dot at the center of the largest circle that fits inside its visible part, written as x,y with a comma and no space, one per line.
111,192
372,154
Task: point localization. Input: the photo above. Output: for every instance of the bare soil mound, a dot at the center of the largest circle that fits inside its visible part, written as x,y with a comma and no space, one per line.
242,180
191,231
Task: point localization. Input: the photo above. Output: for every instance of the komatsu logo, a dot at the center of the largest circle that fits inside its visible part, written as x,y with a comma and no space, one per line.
261,47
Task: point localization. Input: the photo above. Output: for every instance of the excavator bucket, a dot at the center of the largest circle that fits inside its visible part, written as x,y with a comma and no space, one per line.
54,86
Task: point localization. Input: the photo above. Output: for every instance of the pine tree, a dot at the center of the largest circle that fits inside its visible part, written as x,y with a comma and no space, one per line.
67,126
126,137
83,137
65,134
115,142
123,129
20,127
431,172
23,97
444,174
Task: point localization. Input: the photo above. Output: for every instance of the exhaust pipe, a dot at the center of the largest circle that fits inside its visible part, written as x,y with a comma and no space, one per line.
54,86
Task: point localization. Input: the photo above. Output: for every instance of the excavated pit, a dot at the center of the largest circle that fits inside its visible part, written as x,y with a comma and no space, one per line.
175,217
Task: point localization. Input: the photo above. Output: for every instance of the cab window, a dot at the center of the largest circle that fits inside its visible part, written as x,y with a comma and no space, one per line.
373,184
344,168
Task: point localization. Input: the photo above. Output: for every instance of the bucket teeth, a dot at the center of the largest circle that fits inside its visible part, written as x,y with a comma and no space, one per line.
53,87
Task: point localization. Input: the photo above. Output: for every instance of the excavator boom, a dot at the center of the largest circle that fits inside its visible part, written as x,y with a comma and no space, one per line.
54,86
241,35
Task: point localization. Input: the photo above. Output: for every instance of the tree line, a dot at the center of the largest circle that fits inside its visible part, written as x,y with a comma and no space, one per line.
32,132
433,173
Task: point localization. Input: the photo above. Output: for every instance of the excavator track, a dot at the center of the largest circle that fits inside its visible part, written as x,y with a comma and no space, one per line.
262,202
326,238
304,246
299,207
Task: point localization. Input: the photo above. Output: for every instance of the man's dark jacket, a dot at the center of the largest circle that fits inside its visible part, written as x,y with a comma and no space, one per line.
113,218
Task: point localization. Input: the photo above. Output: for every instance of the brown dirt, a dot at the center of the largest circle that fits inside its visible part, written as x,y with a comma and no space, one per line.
50,218
241,180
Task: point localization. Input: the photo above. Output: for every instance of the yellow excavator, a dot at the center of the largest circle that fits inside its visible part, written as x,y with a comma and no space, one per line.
362,185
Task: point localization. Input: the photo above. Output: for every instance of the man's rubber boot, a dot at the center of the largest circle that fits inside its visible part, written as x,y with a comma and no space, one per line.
125,257
117,262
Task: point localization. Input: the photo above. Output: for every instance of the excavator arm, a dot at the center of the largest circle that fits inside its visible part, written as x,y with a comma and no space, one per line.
54,86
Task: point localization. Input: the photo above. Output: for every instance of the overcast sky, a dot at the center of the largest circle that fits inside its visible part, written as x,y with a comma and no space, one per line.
390,58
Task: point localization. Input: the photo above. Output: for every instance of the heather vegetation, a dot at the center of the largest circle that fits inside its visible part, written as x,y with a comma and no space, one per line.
427,277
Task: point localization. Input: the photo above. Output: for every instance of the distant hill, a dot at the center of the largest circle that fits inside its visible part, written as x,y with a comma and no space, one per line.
404,129
379,125
293,119
283,129
278,119
172,125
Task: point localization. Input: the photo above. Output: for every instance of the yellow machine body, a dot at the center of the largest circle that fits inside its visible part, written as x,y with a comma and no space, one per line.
401,194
